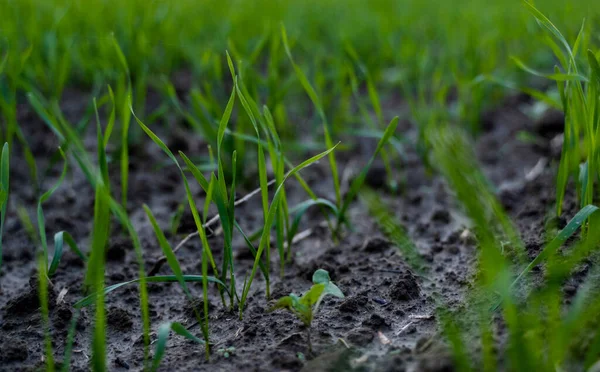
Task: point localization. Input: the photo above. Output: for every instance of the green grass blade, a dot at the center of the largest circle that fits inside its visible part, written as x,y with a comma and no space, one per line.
111,118
59,239
95,274
202,181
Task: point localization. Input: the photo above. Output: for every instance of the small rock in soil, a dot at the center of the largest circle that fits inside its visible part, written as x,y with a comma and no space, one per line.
436,361
118,247
361,336
405,288
376,245
376,177
119,319
64,315
551,123
376,322
441,216
453,249
13,351
294,342
354,304
285,360
197,304
394,363
121,363
24,304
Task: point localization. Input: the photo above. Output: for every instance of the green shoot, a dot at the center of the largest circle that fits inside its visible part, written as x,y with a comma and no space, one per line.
306,306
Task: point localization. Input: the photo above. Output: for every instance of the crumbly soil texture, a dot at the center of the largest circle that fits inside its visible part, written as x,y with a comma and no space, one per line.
387,321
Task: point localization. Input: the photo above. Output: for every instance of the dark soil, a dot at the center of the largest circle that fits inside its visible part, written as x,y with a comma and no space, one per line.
385,323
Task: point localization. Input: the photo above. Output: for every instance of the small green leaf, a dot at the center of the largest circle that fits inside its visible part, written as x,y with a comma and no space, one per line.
314,294
321,277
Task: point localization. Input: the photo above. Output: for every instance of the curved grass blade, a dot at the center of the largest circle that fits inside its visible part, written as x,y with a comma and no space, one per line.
163,335
88,300
59,239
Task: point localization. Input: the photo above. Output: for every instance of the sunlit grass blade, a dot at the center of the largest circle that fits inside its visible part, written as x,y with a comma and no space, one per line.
163,333
40,212
60,238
